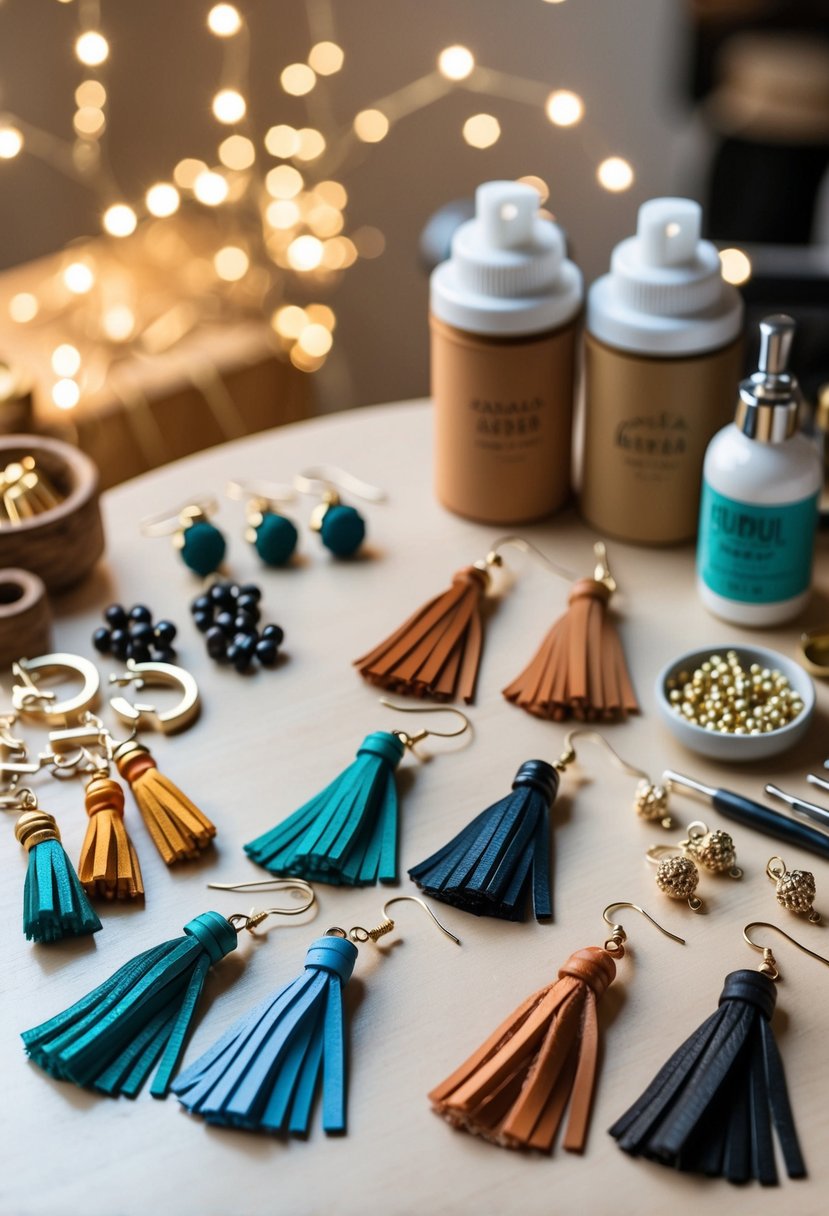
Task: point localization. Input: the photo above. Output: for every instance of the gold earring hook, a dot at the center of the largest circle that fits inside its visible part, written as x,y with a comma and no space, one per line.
327,477
359,934
651,797
601,571
165,523
250,921
266,491
769,966
615,945
410,740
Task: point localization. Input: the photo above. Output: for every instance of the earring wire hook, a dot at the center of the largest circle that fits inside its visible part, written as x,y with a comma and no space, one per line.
625,904
324,477
396,899
429,709
167,522
267,491
769,965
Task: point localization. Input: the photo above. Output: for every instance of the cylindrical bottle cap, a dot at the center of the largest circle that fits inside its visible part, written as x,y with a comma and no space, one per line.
508,274
665,294
769,401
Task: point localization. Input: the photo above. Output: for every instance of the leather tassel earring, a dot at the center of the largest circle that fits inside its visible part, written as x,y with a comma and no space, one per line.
579,670
264,1073
492,866
710,1109
108,865
347,834
514,1090
112,1038
180,831
54,902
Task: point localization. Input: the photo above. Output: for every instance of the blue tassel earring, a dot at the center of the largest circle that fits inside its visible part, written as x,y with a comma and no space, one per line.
112,1038
493,865
265,1071
347,834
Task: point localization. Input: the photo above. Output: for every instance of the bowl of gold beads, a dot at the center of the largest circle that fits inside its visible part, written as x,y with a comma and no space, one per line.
735,702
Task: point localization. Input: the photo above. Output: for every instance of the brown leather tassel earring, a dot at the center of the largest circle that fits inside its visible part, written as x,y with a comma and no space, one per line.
108,864
579,669
513,1091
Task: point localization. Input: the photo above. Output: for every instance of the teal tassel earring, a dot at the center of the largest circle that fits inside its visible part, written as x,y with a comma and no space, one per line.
264,1072
112,1038
347,834
54,902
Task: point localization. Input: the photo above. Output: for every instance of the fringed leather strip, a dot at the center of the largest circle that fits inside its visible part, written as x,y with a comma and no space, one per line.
515,1088
108,864
436,652
579,670
180,831
347,834
54,902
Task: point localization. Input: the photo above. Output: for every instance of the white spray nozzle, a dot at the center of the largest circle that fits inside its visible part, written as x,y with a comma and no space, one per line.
506,212
668,230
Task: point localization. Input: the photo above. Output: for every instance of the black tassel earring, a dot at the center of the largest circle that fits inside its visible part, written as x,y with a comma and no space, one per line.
710,1109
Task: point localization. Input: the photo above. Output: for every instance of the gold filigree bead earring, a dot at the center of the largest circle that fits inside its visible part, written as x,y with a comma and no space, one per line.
795,889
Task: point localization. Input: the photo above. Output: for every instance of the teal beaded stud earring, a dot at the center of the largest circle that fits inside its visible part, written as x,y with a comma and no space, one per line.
201,544
272,534
342,529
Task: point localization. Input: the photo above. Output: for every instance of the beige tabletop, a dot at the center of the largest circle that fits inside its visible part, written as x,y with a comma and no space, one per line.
417,1007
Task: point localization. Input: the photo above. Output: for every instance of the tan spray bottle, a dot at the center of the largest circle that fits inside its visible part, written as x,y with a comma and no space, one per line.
504,312
662,356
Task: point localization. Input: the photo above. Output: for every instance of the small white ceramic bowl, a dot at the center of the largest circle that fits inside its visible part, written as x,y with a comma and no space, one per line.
737,747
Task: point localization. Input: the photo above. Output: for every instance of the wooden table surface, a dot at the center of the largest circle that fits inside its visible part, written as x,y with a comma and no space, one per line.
417,1007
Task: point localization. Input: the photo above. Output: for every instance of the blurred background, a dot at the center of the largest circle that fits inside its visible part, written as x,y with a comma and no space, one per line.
316,142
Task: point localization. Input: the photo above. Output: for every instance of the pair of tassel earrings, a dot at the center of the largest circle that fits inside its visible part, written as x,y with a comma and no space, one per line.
264,1073
579,669
709,1110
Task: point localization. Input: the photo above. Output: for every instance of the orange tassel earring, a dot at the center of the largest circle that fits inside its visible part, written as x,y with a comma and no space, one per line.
108,864
180,831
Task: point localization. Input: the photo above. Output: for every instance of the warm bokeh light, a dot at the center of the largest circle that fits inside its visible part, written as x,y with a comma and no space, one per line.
339,253
282,141
66,360
564,108
284,182
92,48
456,62
615,174
326,58
538,184
237,152
298,79
210,188
311,144
369,241
371,126
186,172
481,130
231,263
11,142
332,192
120,220
118,322
90,93
324,220
23,307
229,106
65,394
305,253
162,199
735,266
321,314
79,277
89,120
289,321
224,20
315,340
282,214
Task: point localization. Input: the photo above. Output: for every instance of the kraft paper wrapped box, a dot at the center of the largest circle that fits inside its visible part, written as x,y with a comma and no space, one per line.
172,361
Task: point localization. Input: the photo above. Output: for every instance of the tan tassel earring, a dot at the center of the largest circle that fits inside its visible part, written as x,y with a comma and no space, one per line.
108,863
180,831
579,670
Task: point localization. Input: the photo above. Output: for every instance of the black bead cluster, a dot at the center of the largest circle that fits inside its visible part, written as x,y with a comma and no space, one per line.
228,615
132,635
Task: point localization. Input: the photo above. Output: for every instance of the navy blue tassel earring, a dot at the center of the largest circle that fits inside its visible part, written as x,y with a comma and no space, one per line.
264,1072
710,1109
493,865
112,1038
347,834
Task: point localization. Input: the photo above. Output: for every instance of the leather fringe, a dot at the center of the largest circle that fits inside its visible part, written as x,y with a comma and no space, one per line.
436,652
579,670
108,863
710,1109
514,1090
54,902
180,831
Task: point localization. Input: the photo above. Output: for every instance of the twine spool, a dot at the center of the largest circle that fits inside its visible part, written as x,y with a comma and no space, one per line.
25,619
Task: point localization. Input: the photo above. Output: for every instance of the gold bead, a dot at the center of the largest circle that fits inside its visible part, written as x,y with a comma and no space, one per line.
714,851
795,891
677,877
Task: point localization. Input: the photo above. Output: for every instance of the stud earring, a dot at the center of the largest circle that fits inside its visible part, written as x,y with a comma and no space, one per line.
514,1090
710,1108
676,875
264,1072
341,528
795,889
201,544
347,834
112,1038
272,534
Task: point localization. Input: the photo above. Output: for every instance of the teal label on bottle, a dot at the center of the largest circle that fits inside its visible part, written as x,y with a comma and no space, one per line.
755,554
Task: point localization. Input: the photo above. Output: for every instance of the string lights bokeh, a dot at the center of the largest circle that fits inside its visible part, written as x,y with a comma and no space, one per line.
276,197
